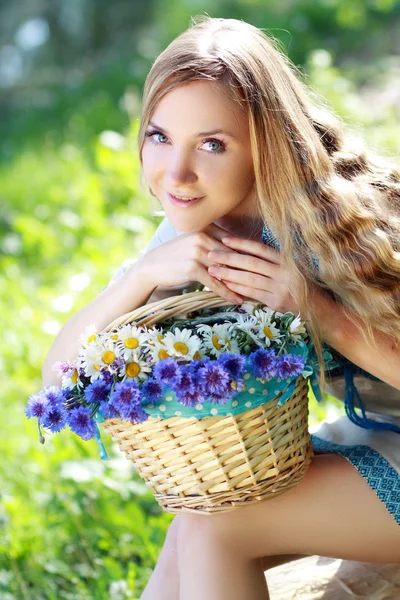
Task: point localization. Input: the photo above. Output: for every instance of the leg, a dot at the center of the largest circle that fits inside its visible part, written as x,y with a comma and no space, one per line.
332,512
164,581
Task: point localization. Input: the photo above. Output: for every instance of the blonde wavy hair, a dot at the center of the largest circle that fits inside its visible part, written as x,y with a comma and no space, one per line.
333,199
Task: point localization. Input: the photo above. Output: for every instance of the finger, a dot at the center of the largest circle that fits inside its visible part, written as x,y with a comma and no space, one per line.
215,232
247,292
252,247
246,262
221,289
251,280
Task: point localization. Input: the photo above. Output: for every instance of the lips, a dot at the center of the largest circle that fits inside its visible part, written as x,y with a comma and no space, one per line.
184,203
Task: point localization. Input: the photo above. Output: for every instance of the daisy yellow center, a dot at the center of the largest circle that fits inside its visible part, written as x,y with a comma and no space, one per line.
108,357
160,338
215,342
74,376
132,369
131,343
268,333
114,337
91,338
197,356
181,347
163,354
97,367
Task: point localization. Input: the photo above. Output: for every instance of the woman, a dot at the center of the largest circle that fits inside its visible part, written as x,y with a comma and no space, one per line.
240,157
282,160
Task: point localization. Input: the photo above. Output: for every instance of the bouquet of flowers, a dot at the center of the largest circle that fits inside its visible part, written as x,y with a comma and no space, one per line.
119,373
176,366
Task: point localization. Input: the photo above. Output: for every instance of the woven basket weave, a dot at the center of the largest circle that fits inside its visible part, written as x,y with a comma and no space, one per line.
215,463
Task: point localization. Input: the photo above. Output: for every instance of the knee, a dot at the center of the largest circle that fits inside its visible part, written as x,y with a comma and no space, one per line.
194,529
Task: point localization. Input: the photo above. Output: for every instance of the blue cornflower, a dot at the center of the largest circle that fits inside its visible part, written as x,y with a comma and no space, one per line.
54,395
106,377
136,415
108,410
235,364
289,366
126,397
263,363
167,372
214,378
185,382
97,391
55,418
64,395
37,406
152,390
224,395
80,422
197,365
191,398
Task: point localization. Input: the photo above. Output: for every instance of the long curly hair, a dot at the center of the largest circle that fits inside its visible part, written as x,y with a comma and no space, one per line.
319,190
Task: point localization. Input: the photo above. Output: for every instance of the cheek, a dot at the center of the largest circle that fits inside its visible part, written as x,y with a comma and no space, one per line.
240,178
151,166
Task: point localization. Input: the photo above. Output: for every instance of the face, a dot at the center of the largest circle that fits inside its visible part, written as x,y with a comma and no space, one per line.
197,146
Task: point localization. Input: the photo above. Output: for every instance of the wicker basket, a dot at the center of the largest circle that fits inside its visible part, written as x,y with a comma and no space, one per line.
215,463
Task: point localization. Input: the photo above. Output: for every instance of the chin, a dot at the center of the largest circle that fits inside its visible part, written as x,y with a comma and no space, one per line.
188,225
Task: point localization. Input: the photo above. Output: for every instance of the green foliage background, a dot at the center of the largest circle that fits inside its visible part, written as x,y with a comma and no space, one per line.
71,210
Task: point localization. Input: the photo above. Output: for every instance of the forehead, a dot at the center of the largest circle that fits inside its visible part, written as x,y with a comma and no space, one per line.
201,106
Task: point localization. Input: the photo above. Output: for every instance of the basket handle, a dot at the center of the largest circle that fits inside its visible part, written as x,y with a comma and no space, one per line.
152,313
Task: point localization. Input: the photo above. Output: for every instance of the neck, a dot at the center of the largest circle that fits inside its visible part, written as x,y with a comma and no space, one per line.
243,226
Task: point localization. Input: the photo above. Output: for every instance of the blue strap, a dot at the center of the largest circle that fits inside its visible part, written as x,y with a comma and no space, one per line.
351,392
103,452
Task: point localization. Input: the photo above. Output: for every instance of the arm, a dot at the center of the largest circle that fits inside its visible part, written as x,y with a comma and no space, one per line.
341,332
254,270
130,288
125,294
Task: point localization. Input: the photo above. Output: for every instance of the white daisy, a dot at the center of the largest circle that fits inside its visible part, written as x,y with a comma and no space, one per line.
182,343
218,339
129,339
248,306
158,351
267,329
98,356
137,369
89,335
154,336
246,323
267,311
297,330
72,381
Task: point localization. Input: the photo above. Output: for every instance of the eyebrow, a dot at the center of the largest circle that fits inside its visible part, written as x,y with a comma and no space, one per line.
200,134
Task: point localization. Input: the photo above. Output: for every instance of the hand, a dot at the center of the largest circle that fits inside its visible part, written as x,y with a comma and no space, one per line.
185,258
253,270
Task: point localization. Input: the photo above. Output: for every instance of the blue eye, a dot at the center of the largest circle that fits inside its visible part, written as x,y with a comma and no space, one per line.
152,135
216,146
215,150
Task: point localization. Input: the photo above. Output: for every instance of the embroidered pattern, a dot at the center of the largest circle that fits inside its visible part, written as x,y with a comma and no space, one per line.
377,472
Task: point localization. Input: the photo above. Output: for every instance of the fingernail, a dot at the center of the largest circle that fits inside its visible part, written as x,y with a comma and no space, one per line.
226,240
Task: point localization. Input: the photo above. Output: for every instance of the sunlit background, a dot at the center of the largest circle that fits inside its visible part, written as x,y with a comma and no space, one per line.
71,210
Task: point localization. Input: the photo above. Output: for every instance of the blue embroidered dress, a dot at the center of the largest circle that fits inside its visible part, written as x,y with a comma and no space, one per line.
370,441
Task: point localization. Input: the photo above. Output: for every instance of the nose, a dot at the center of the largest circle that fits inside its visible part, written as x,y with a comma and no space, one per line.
180,170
